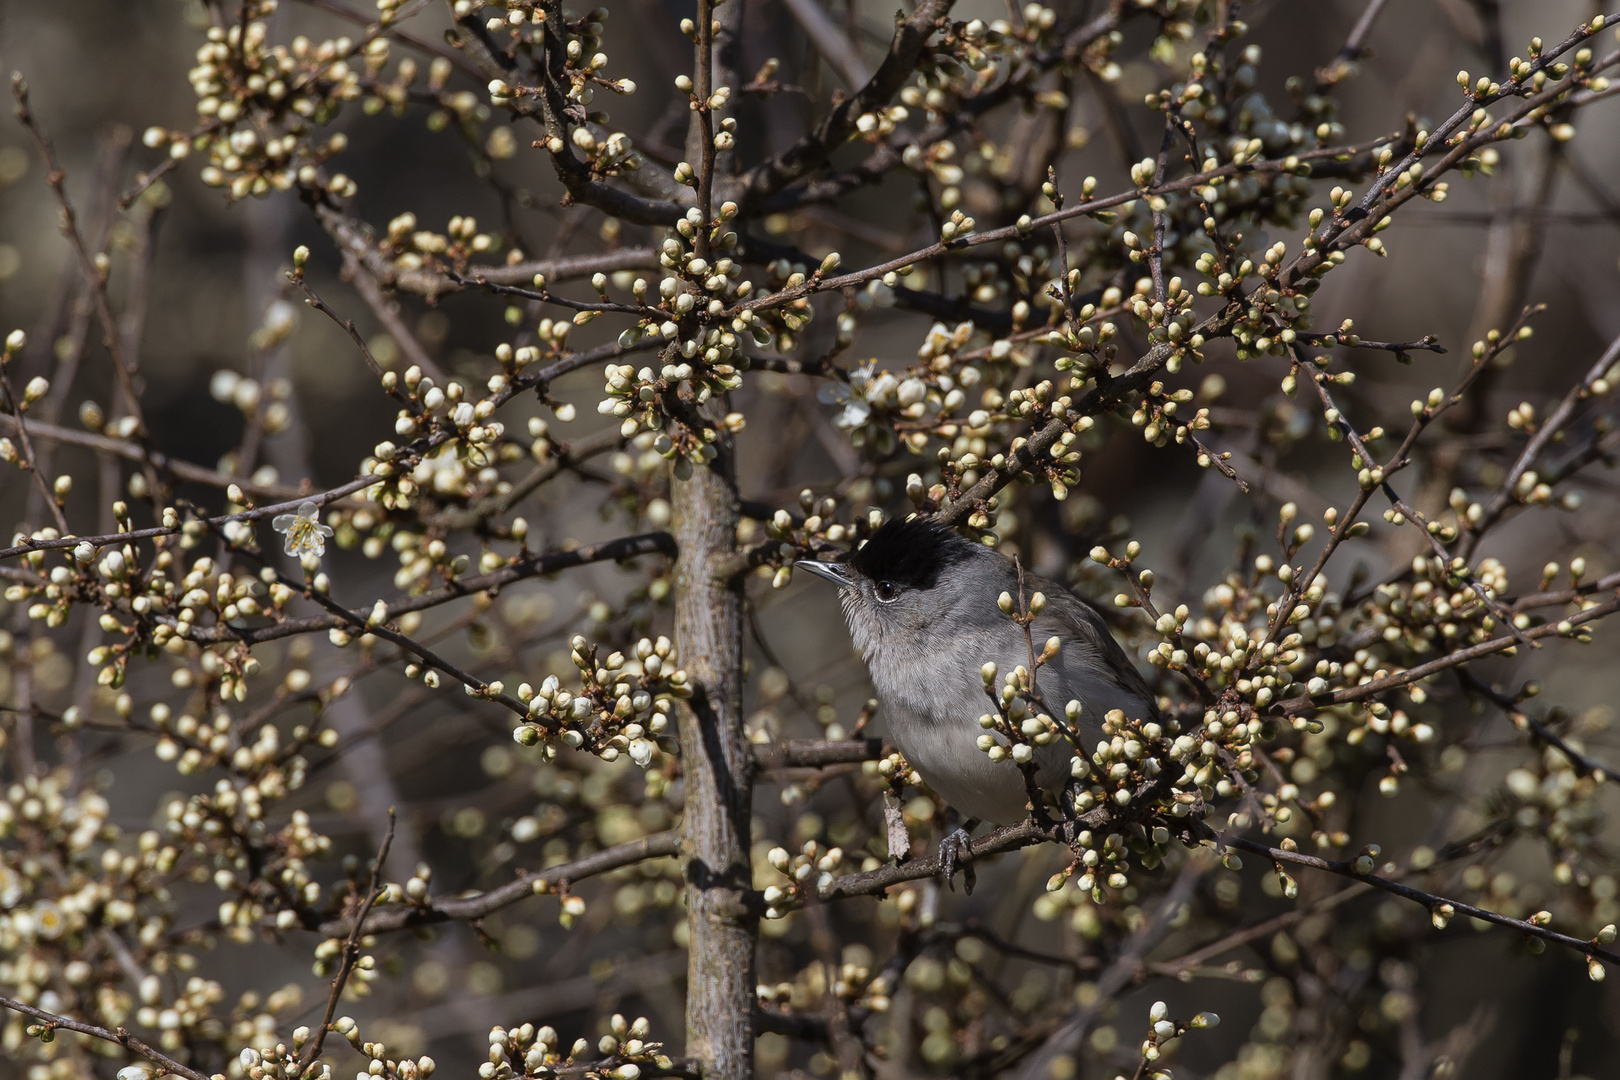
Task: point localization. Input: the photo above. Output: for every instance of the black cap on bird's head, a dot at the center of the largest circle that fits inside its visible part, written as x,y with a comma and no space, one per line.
909,553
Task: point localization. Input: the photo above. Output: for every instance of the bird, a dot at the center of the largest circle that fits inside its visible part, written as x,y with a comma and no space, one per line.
925,609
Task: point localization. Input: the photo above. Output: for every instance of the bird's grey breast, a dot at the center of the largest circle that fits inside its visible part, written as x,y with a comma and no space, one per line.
932,710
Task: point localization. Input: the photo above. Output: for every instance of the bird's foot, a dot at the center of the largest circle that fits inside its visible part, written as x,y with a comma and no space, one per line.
956,851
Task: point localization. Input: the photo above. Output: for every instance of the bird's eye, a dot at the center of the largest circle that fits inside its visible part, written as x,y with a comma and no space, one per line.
886,590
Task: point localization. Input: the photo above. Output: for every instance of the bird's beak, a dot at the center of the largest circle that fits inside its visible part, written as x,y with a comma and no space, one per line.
835,572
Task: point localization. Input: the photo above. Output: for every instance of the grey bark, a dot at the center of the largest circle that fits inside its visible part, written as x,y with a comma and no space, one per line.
718,778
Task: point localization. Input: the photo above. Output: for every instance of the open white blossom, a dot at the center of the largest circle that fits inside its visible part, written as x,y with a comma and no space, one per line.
855,397
304,532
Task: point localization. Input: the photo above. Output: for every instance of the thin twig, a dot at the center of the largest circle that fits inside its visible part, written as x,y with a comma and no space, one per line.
29,461
1305,703
468,908
1545,434
617,550
1584,765
411,405
1354,48
351,953
123,366
1435,904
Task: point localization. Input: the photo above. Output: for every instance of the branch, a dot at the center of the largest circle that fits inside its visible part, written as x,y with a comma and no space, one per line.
410,404
323,498
1021,834
1299,705
1437,905
813,150
552,110
1545,434
370,288
625,547
1354,49
1353,226
1427,343
123,366
351,953
53,1022
807,752
1319,380
468,908
537,381
29,464
814,753
1584,766
353,239
180,470
1080,209
1397,461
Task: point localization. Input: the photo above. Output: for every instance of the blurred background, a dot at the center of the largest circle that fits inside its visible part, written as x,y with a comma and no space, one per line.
1542,230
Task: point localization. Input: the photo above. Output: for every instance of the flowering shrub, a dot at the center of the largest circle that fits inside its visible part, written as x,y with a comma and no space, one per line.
1098,358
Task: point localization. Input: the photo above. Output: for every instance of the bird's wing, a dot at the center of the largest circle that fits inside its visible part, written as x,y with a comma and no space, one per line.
1090,660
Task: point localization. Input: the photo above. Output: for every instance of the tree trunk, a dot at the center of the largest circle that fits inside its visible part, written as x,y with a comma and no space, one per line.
720,986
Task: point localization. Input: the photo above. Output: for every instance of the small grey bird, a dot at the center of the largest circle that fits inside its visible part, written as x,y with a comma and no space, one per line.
921,603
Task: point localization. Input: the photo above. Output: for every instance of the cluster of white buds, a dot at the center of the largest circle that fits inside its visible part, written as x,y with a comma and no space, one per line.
470,441
979,46
624,704
260,103
853,983
894,769
379,1063
1550,798
279,1060
800,539
101,881
329,956
1158,414
698,312
638,399
1437,606
937,160
957,227
1037,406
1016,729
881,122
1164,1030
412,248
420,558
813,867
607,153
1168,320
527,1051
